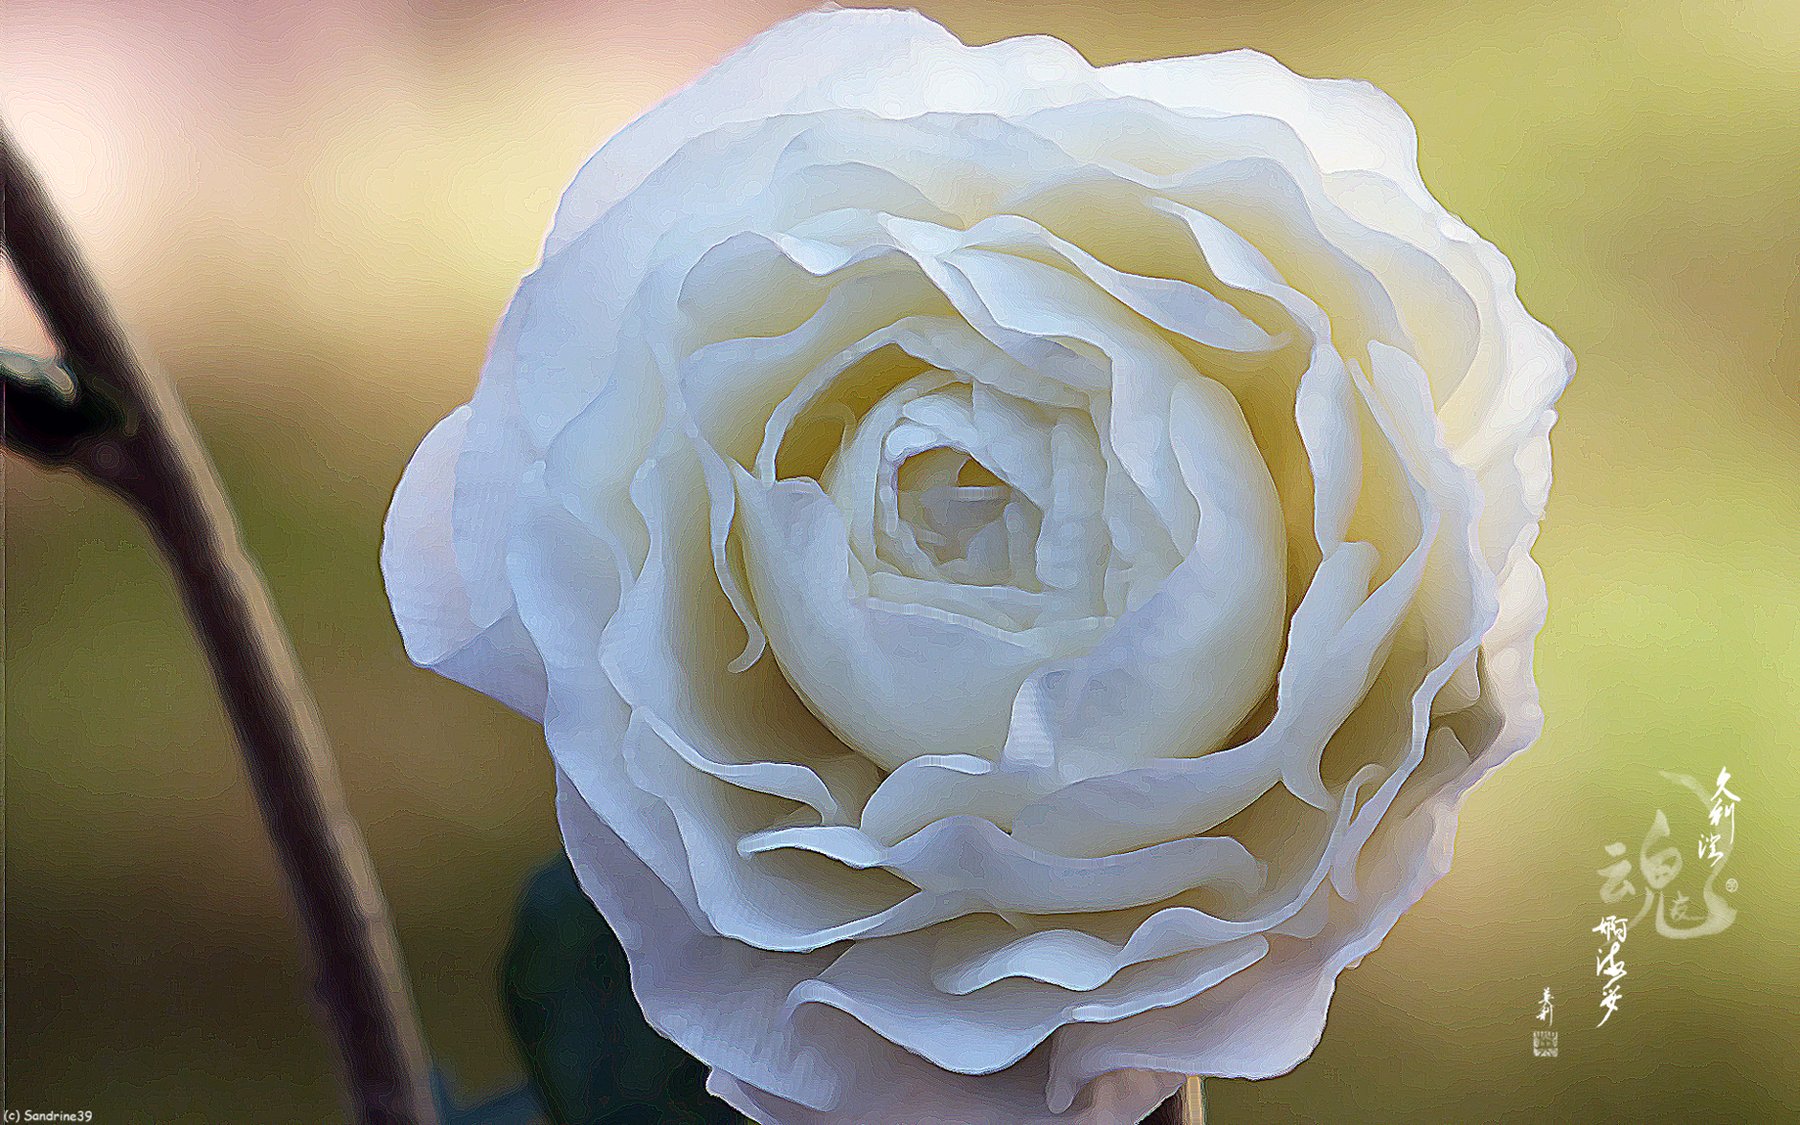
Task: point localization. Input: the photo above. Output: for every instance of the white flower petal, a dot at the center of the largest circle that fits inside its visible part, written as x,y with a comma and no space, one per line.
721,1000
885,985
1264,1021
907,1090
863,667
970,857
429,595
556,563
995,543
887,63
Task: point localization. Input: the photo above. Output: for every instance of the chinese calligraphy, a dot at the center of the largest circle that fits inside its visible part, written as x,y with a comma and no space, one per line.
1543,1043
1659,865
1614,929
1656,874
1723,807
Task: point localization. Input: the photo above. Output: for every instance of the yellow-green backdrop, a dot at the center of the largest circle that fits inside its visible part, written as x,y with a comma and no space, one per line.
313,215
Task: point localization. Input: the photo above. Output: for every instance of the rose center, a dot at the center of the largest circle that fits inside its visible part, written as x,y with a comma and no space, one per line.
962,518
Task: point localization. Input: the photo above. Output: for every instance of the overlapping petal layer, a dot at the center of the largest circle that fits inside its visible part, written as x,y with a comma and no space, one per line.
1017,562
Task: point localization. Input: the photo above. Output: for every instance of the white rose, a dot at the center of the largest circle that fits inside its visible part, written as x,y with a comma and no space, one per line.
1018,563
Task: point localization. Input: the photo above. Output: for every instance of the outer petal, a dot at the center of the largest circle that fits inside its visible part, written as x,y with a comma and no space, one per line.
889,63
727,1003
429,595
1265,1022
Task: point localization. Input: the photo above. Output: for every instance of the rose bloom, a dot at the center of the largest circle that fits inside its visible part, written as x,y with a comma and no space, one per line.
1018,564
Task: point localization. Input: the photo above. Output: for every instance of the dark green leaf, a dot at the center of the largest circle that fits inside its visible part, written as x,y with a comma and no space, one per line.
518,1106
587,1048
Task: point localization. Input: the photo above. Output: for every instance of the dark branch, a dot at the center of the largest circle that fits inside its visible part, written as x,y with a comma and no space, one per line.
114,418
58,422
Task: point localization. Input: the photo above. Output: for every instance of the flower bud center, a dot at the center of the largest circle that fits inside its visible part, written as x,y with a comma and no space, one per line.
957,512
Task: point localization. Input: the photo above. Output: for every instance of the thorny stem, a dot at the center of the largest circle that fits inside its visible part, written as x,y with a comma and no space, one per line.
123,426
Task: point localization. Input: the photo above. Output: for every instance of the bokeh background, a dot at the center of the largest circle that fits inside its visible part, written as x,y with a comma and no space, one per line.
313,215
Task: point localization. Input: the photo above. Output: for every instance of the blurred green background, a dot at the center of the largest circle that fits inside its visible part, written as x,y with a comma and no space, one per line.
313,216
